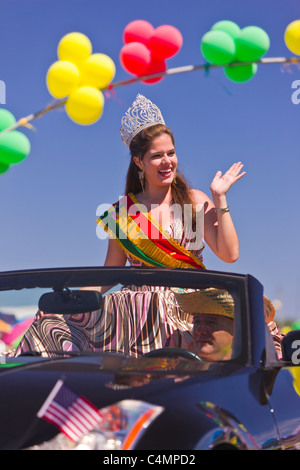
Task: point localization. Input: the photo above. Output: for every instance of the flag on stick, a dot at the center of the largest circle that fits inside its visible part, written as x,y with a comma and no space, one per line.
74,415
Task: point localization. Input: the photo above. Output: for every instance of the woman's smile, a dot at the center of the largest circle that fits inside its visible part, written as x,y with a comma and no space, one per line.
166,172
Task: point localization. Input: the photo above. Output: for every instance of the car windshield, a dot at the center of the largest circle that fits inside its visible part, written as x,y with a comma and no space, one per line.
122,311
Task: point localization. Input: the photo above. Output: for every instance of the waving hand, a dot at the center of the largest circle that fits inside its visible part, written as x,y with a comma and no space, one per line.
221,183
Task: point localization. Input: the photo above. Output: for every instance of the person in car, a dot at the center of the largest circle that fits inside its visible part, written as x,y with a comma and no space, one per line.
212,312
161,221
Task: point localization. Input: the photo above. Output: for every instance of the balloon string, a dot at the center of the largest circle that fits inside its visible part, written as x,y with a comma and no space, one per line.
24,122
111,92
206,74
206,70
184,69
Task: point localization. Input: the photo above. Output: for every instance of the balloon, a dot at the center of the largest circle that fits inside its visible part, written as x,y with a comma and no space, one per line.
240,73
292,37
98,71
228,27
85,105
138,31
296,325
285,329
7,119
165,42
218,47
3,168
14,148
251,44
75,48
62,78
135,57
156,66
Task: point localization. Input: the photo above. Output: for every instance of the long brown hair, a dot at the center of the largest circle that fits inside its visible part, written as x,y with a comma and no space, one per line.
140,145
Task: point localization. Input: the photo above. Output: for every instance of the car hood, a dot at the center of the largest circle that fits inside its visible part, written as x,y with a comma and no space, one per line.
25,383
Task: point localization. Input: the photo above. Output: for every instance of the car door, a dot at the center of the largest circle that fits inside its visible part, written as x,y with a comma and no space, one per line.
282,386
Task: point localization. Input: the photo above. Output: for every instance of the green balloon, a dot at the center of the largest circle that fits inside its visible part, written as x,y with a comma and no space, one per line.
251,44
228,27
296,325
218,47
240,73
3,168
14,148
7,119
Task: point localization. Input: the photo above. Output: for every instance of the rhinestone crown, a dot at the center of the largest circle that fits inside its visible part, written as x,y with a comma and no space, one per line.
142,114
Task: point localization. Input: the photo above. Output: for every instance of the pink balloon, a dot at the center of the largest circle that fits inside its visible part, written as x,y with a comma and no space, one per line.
135,57
165,42
138,31
156,66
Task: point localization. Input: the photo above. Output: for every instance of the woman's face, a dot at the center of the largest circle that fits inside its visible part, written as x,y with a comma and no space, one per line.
159,163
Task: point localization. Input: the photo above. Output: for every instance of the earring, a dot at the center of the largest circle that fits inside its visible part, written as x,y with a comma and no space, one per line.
174,179
141,178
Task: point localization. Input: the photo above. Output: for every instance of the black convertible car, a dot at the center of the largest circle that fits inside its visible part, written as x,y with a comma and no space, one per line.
177,360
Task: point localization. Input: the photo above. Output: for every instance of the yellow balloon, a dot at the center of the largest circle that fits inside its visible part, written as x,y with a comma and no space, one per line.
62,78
85,105
292,37
285,330
98,71
74,47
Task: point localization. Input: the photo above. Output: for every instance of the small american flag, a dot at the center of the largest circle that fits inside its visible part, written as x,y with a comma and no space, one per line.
74,415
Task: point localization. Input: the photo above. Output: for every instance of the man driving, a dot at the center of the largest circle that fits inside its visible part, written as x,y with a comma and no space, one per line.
212,313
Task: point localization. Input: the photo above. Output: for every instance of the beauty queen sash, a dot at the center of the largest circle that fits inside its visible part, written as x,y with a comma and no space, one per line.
143,238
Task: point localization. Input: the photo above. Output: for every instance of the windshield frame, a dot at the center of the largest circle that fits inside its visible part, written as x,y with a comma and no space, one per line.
67,278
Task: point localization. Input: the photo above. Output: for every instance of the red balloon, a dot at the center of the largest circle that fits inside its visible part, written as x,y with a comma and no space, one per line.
135,57
138,31
165,42
156,66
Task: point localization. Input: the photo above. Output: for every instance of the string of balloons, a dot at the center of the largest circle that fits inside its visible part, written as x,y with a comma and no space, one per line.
79,77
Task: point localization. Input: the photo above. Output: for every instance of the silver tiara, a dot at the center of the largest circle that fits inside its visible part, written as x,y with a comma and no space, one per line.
142,114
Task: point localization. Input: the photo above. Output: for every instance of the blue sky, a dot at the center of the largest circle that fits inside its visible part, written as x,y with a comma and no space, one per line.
48,202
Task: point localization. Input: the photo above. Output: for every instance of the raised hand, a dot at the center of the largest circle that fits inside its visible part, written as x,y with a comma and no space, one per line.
220,184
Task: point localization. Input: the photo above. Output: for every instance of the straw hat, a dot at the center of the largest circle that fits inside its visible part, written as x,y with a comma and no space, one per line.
209,301
214,301
269,310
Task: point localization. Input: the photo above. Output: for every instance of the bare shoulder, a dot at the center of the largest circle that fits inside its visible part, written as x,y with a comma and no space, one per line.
199,197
